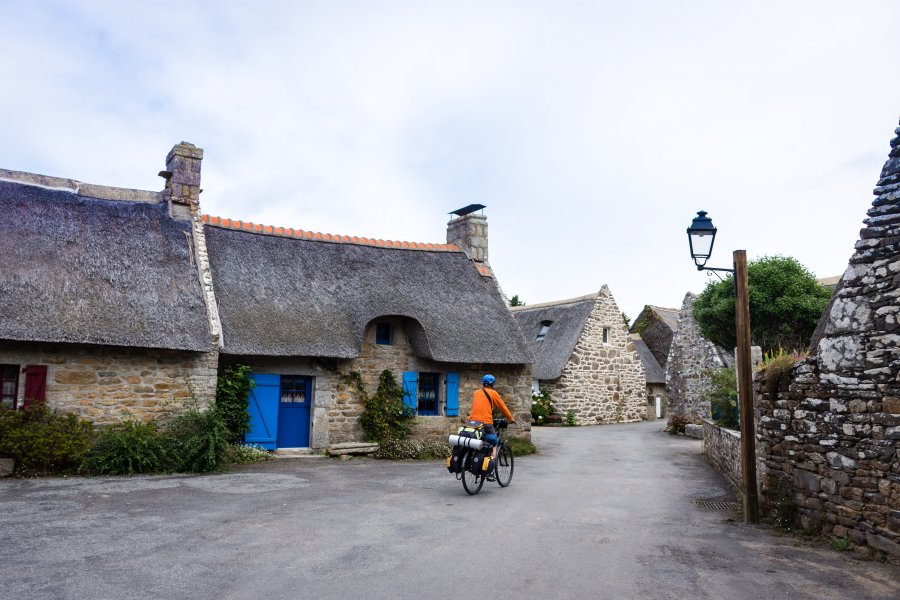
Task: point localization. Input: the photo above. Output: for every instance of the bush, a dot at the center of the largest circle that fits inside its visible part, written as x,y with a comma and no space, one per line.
384,417
125,449
521,446
232,389
196,441
244,454
412,450
723,398
42,441
570,419
676,424
541,408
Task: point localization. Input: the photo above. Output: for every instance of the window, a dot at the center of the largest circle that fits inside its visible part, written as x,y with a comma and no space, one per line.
293,389
545,327
606,335
427,394
9,385
384,334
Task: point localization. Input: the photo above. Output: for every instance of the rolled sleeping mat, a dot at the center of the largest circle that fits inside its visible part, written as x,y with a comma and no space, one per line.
466,442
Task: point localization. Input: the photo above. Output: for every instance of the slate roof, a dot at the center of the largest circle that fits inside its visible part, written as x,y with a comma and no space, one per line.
652,369
568,318
285,292
79,269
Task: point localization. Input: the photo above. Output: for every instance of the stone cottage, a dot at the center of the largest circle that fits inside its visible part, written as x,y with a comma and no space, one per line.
655,376
657,326
829,431
691,358
585,359
306,309
105,301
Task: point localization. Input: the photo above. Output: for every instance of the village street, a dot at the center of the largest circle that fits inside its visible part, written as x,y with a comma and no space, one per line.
602,512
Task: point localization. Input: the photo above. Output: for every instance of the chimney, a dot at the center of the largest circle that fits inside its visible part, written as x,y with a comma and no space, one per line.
182,177
469,231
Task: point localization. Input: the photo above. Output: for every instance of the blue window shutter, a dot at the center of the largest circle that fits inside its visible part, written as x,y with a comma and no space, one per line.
263,408
410,385
452,394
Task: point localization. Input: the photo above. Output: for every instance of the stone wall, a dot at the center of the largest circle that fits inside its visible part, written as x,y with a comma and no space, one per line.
691,357
655,332
602,382
722,448
653,390
107,384
830,427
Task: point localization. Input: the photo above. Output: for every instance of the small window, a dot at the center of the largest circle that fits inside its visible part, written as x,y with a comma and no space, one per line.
606,335
294,389
384,334
428,394
9,385
545,327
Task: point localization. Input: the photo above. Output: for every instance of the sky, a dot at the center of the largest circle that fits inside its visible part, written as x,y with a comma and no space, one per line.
592,131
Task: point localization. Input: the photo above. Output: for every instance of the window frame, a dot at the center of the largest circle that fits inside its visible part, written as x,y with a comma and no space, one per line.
380,339
15,369
436,377
606,336
543,331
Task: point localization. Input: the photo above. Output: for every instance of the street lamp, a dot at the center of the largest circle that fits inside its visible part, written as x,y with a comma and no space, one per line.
701,236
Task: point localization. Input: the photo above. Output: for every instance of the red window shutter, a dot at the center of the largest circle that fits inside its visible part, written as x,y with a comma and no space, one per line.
35,384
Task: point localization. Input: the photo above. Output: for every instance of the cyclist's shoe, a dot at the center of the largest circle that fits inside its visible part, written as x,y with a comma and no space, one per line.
490,478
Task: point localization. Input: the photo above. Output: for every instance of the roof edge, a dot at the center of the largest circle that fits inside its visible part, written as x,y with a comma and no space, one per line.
315,236
101,192
528,307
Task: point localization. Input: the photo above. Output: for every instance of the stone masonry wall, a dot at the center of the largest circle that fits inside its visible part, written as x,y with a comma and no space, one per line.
830,429
106,384
691,356
602,383
722,448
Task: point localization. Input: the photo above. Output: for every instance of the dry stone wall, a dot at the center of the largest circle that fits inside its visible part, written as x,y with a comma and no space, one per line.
602,382
107,384
691,357
830,429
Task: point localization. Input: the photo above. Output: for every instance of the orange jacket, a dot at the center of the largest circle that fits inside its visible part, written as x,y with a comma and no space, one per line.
481,406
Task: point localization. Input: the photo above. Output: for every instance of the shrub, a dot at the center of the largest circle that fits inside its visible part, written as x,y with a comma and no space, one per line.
127,448
841,544
541,408
520,446
196,441
777,368
397,449
42,441
676,424
244,454
232,389
723,397
570,419
384,417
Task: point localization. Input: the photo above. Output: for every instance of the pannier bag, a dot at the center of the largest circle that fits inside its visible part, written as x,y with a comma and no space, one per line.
468,436
455,460
482,463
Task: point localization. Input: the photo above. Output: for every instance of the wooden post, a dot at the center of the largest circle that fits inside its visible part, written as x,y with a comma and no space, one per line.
745,382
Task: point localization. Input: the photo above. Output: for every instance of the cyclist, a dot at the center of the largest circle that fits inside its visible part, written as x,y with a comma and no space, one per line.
483,403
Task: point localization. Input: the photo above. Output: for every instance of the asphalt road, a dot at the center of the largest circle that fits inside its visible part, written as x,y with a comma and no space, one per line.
602,512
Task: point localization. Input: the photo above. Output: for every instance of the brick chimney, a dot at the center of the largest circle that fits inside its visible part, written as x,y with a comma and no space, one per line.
182,177
470,232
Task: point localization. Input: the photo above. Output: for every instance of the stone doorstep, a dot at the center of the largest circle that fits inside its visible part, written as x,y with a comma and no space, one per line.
351,448
296,453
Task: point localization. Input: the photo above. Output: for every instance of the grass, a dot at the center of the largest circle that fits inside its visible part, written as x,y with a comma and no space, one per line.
521,446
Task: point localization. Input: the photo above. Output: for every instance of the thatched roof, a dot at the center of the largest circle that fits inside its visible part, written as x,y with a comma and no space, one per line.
567,318
83,270
652,370
669,316
288,293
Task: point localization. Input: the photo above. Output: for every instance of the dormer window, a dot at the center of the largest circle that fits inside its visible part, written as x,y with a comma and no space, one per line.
545,327
384,334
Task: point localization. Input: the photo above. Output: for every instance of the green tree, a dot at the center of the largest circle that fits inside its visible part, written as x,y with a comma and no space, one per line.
786,303
514,301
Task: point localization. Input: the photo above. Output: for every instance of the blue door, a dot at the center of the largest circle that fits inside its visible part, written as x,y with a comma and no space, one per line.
293,411
263,408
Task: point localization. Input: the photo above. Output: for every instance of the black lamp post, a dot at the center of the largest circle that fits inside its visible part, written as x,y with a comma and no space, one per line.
701,236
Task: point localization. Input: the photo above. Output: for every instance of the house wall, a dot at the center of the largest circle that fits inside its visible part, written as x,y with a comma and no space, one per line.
653,390
602,383
656,334
107,384
691,357
337,405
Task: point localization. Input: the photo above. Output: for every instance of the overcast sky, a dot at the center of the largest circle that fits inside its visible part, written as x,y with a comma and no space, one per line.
593,131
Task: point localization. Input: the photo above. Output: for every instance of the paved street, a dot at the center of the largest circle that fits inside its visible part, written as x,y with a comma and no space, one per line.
602,512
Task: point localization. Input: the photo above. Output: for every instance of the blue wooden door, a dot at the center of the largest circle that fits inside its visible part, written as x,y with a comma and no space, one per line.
293,411
263,408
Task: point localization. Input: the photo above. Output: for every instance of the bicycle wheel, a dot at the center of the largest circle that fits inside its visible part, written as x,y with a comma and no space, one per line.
504,465
471,482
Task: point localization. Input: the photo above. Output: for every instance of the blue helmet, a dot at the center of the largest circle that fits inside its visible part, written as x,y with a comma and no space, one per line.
488,380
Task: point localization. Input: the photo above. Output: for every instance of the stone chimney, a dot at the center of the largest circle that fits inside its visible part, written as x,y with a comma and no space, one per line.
182,177
470,232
